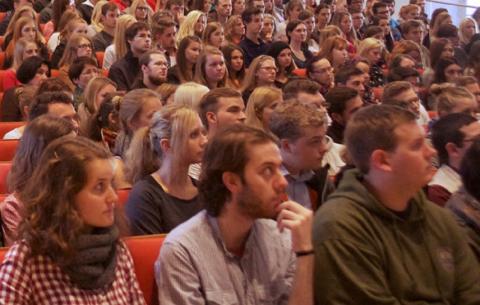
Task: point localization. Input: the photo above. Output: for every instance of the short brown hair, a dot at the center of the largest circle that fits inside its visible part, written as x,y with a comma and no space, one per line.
209,102
409,25
228,151
373,128
289,120
391,90
294,87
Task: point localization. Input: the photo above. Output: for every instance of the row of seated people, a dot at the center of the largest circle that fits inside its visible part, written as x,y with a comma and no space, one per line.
162,153
75,177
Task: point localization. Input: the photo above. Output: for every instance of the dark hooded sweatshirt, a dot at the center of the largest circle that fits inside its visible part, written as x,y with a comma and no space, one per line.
366,254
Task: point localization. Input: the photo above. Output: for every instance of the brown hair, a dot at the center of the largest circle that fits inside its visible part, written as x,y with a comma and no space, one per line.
373,128
228,151
289,120
37,135
51,224
209,102
391,90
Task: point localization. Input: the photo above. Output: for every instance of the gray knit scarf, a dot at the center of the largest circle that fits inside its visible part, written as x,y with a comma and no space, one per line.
93,266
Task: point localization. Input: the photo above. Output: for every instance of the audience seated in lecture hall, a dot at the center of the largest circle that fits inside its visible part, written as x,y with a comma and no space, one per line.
294,107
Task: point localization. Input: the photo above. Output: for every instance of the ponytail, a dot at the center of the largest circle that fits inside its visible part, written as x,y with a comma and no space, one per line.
141,158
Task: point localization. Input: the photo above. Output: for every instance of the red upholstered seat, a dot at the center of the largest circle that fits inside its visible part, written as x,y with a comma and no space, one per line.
7,149
144,250
7,126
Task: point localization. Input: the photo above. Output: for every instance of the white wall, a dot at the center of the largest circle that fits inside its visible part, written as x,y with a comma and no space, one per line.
457,13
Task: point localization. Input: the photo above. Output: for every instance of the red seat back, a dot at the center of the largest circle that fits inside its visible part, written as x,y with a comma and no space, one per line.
2,72
4,170
7,126
8,149
145,250
122,197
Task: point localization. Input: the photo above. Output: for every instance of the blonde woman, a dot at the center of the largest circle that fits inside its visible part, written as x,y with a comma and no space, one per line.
23,50
163,195
262,72
96,26
27,28
23,11
141,11
77,46
374,51
194,24
94,95
214,35
119,47
210,69
76,26
327,32
261,103
234,29
54,40
468,27
189,94
448,98
136,111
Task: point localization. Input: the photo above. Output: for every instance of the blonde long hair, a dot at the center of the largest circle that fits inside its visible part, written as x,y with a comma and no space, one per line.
144,156
97,16
70,53
250,81
187,27
119,41
17,34
260,98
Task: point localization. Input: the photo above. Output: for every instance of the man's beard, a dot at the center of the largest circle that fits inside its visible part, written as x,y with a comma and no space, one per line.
157,81
253,206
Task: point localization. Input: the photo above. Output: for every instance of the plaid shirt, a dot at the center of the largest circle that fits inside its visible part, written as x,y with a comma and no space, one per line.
38,280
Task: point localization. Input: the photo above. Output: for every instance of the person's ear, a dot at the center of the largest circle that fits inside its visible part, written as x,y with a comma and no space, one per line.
211,118
285,145
232,182
144,69
165,145
452,149
380,160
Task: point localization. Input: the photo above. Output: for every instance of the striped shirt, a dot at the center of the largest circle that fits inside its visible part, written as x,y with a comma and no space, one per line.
194,266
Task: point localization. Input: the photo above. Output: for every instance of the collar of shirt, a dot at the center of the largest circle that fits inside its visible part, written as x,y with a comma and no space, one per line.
302,177
218,237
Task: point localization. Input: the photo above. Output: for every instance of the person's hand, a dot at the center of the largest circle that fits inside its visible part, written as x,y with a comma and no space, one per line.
298,220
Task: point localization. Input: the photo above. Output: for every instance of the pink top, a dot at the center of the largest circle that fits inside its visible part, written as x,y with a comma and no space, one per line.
10,210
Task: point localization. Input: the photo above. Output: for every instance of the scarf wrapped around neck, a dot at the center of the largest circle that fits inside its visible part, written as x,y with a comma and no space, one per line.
93,266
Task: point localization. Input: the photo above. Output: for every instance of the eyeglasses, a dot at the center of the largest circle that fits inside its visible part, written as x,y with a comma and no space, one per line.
323,71
84,46
142,8
269,68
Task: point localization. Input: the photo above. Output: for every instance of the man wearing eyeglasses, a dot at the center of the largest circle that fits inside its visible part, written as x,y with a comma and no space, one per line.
154,67
320,71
